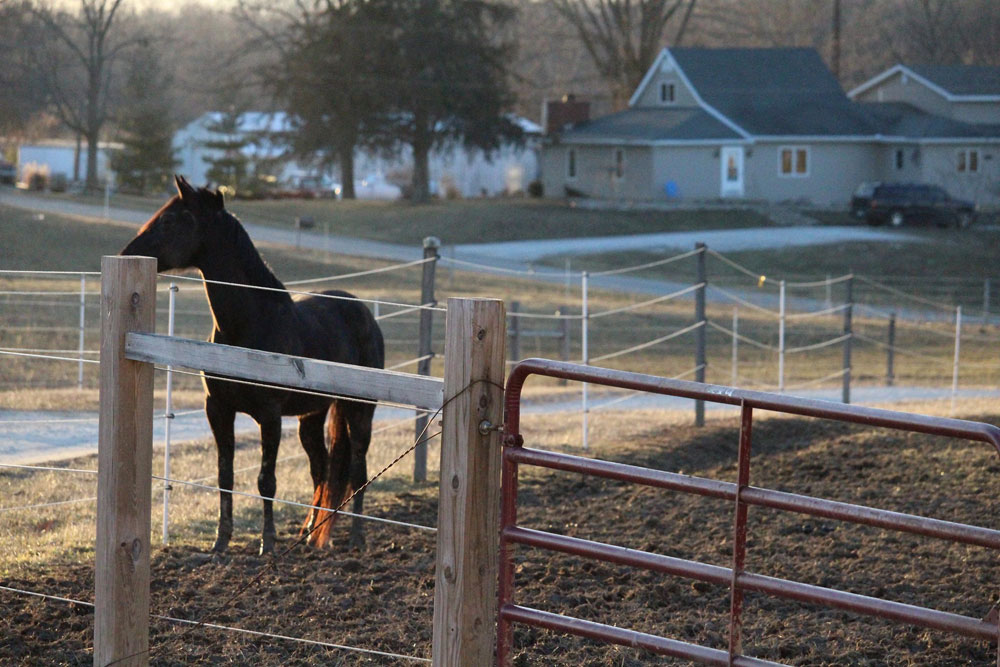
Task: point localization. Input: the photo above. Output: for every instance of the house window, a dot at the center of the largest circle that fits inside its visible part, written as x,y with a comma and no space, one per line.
619,169
968,161
667,93
793,161
899,159
571,163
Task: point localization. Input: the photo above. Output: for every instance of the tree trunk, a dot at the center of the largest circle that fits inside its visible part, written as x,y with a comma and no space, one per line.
76,158
93,145
421,169
346,155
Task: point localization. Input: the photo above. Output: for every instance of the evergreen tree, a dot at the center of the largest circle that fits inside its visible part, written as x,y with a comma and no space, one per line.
229,167
146,160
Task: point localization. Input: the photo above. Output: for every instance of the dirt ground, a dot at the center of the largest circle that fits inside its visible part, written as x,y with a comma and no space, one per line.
382,598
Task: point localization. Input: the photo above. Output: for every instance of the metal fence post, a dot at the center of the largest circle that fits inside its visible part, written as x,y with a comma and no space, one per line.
736,343
168,417
845,392
890,352
586,355
465,587
431,245
564,339
124,465
958,349
781,336
515,332
986,301
699,316
83,328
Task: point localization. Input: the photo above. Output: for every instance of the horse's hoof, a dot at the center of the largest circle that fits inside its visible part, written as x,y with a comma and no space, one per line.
220,546
266,545
357,541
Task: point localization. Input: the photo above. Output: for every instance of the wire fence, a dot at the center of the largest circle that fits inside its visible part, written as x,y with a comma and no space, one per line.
33,334
753,345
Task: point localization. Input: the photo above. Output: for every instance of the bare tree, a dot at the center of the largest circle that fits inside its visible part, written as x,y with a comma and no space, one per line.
623,37
76,57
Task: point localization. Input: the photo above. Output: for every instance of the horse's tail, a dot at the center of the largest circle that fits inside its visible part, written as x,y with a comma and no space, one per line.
336,486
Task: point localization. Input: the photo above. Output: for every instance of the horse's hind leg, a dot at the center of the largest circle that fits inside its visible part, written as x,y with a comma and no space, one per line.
221,418
359,424
311,437
270,438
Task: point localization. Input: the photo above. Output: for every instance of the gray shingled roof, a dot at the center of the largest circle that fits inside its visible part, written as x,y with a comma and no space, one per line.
781,91
644,124
962,79
903,120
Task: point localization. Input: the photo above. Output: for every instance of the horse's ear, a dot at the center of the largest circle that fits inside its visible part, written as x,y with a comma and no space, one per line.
219,199
184,189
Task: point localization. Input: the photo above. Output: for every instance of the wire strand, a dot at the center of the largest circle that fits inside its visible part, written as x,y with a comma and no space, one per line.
647,265
648,302
358,274
642,346
216,626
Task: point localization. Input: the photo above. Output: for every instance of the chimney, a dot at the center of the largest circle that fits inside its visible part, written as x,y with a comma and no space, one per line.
557,115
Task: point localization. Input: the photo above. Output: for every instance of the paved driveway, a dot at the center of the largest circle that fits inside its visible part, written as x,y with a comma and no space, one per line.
723,240
509,253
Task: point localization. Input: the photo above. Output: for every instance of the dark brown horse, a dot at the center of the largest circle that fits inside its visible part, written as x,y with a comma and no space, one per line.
193,229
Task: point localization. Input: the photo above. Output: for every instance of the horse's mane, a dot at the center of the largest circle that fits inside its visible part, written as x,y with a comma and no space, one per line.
258,272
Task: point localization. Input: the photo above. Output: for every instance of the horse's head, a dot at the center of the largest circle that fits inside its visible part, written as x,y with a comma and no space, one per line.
175,233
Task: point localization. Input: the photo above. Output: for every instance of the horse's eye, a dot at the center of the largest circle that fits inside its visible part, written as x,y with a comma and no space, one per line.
168,218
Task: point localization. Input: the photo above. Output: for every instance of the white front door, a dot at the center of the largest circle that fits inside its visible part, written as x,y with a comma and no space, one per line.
731,159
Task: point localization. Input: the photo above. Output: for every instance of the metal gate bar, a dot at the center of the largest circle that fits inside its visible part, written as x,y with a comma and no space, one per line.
741,493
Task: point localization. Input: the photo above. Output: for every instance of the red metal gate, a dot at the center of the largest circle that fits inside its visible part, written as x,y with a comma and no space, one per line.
744,495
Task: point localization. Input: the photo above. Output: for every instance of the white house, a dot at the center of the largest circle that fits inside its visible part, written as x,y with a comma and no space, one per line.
58,157
454,170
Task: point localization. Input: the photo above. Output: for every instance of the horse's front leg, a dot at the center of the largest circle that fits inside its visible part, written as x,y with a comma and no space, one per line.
270,438
221,419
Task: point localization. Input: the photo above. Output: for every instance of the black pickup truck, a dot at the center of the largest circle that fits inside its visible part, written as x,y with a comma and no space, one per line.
899,203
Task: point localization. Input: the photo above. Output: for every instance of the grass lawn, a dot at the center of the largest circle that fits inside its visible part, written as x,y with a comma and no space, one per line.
947,267
459,221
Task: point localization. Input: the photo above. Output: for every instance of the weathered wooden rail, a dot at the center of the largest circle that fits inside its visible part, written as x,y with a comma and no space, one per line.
469,398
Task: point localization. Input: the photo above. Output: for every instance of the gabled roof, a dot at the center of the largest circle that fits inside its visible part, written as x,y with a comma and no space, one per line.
898,119
961,80
956,83
772,92
651,125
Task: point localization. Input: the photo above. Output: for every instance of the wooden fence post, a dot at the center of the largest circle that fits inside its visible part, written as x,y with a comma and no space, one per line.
465,583
124,466
431,245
